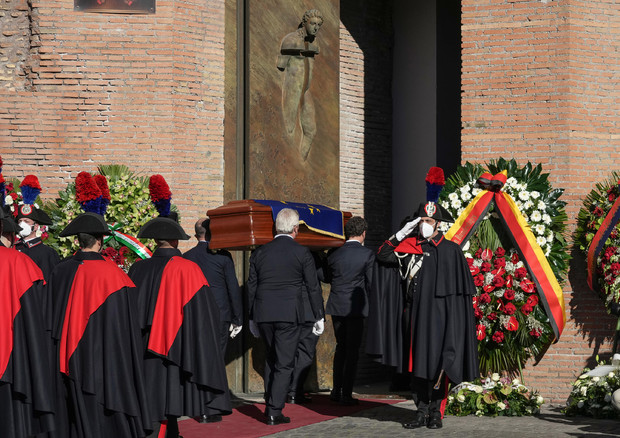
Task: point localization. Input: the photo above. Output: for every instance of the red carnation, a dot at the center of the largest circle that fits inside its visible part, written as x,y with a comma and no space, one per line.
478,313
102,183
485,298
536,333
598,212
479,280
512,325
532,300
158,188
31,181
492,316
509,294
475,270
14,196
480,332
510,309
520,273
514,258
486,267
498,337
615,269
86,188
9,187
500,252
527,286
526,309
478,253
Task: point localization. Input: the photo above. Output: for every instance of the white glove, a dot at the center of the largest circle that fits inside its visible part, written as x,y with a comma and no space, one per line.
319,327
254,329
234,330
407,229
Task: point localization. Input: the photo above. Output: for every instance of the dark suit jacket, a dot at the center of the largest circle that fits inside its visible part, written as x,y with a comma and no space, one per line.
349,270
278,272
219,270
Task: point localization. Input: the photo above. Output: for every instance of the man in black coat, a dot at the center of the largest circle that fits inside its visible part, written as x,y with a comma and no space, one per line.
95,326
183,364
278,272
349,270
219,268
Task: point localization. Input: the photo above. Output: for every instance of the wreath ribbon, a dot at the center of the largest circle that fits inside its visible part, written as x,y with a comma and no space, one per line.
596,246
530,252
129,241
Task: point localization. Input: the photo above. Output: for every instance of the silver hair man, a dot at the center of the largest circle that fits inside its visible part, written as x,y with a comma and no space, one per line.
286,221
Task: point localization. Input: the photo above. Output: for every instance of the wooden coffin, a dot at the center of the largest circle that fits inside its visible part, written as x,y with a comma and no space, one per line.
243,225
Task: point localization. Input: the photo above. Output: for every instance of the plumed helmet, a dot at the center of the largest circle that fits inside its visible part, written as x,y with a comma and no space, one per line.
162,228
431,208
31,189
89,223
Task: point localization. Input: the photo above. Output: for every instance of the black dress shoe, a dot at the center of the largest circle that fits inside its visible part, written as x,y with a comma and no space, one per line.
434,421
209,418
347,400
273,420
419,420
299,399
335,395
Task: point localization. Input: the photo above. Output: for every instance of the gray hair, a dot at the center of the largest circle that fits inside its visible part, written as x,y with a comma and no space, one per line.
286,220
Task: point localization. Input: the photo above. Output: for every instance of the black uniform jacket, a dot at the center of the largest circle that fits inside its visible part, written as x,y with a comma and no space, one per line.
349,269
219,269
442,323
44,256
278,272
184,368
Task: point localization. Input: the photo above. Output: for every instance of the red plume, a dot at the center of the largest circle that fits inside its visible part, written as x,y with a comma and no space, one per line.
86,188
435,176
102,183
158,188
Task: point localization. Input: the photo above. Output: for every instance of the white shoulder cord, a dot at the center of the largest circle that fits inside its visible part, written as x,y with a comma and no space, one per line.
415,263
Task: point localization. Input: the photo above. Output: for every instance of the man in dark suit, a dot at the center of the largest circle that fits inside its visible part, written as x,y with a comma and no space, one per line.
278,272
219,268
349,270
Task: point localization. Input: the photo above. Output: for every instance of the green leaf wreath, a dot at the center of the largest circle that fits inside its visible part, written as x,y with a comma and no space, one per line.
595,208
130,206
511,324
591,395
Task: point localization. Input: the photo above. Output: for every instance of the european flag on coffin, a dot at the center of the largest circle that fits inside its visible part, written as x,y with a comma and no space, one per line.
318,218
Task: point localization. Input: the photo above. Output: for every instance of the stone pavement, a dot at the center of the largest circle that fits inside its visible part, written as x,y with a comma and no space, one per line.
386,421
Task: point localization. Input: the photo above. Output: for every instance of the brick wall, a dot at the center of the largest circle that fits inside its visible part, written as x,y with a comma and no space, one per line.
144,90
540,83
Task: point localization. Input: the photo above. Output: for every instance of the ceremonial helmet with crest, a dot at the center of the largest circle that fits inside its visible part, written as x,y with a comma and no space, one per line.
166,226
93,195
28,208
431,208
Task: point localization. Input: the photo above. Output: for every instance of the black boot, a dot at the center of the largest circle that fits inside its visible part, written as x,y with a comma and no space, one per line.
434,420
420,419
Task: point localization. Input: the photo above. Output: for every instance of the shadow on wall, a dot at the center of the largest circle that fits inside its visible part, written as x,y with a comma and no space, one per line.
588,312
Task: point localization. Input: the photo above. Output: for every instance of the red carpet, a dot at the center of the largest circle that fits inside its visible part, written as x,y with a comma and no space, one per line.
249,422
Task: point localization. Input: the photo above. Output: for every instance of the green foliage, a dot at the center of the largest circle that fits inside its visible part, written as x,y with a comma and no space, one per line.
493,396
591,396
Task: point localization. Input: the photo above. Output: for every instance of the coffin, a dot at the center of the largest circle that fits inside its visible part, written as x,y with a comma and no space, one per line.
245,224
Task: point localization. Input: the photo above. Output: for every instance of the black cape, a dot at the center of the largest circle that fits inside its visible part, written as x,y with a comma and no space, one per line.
442,326
189,378
26,388
103,384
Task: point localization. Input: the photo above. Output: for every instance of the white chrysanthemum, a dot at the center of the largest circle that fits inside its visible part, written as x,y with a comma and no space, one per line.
495,377
511,181
523,195
459,212
501,406
466,196
477,262
466,188
546,219
8,200
596,378
540,229
453,196
547,251
519,205
534,194
456,204
528,205
611,374
475,191
536,216
541,241
477,389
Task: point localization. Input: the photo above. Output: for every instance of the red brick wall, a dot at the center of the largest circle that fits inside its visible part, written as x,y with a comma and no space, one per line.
144,90
540,83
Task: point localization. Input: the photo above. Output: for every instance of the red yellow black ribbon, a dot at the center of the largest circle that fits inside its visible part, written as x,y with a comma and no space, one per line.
532,255
596,246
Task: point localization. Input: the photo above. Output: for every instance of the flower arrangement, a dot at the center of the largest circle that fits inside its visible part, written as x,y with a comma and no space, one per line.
511,324
126,196
118,256
595,208
28,194
493,396
592,395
